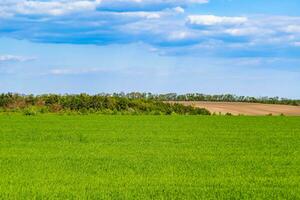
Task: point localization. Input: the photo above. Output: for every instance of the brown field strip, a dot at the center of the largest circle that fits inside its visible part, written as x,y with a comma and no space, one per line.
237,108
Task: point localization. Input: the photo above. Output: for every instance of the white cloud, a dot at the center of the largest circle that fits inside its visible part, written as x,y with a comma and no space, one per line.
141,14
8,58
53,7
297,44
179,9
292,29
164,25
63,7
153,4
248,31
212,20
241,32
76,71
180,35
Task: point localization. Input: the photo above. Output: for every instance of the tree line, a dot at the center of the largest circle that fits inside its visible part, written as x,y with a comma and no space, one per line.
204,97
101,103
123,103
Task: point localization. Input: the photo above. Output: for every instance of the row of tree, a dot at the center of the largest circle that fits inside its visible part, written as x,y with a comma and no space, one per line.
131,103
204,97
101,103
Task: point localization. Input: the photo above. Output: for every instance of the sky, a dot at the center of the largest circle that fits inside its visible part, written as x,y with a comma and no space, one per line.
242,47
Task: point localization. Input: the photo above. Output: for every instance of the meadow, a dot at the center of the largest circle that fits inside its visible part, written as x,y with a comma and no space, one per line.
51,156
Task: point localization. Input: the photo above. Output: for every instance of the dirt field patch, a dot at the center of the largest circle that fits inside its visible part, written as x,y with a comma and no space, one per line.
236,108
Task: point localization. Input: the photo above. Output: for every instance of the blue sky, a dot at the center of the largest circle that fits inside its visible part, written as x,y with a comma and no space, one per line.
210,46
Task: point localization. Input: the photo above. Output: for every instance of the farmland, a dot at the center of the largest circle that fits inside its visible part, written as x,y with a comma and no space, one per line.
53,156
242,108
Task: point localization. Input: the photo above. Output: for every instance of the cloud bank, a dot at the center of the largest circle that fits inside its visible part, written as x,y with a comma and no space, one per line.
162,24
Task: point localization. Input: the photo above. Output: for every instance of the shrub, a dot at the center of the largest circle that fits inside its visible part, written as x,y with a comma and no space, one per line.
30,111
84,104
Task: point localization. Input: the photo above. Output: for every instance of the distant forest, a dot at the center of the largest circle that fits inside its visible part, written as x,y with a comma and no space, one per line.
122,103
215,98
99,104
204,97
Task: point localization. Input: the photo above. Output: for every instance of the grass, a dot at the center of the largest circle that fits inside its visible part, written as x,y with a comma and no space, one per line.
149,157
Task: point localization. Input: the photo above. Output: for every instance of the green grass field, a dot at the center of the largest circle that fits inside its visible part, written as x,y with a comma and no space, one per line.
149,157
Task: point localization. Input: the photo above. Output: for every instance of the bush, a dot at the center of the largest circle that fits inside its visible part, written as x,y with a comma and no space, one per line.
30,111
85,104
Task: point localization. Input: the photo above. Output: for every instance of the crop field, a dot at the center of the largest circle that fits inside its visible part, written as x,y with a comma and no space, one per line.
149,157
242,108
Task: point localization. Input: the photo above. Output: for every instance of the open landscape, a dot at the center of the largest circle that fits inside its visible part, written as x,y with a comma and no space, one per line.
136,146
54,156
242,108
149,99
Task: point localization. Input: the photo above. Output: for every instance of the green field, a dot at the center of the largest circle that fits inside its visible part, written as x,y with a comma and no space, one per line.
149,157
